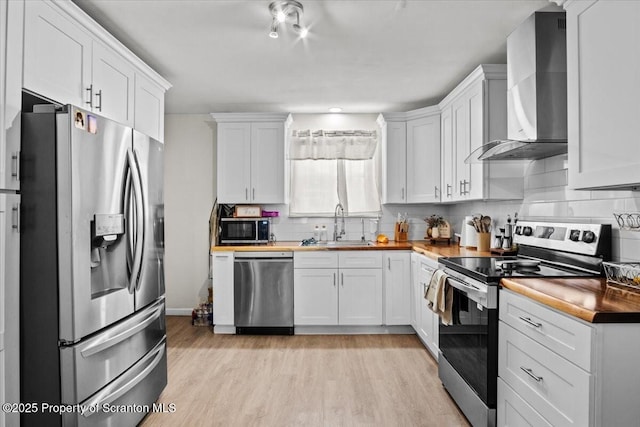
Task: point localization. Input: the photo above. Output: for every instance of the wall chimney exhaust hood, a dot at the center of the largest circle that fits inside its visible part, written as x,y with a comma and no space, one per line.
536,92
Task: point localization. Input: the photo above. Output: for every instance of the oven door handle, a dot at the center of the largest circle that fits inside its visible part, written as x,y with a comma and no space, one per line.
473,293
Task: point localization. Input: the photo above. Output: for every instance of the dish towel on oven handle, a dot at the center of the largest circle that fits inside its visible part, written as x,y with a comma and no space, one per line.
439,296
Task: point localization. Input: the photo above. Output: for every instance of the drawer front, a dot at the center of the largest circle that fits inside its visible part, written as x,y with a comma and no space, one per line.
315,259
93,363
554,387
360,259
566,336
515,412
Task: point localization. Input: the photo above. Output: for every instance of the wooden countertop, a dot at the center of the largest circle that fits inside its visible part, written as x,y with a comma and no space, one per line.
433,251
295,246
590,299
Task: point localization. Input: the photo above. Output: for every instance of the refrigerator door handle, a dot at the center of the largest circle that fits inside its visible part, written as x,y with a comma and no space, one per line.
99,401
142,215
118,338
138,242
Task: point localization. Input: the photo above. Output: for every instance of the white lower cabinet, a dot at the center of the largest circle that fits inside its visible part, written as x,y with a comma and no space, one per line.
9,301
222,280
513,411
555,369
397,287
347,290
426,322
315,296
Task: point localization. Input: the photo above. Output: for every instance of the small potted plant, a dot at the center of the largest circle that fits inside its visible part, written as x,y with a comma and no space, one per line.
433,222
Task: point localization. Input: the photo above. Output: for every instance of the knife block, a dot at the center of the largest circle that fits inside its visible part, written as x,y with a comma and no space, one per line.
401,232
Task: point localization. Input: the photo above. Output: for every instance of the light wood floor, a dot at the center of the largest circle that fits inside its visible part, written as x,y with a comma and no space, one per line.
301,380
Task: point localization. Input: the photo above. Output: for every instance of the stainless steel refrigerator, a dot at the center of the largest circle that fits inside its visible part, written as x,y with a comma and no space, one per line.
92,330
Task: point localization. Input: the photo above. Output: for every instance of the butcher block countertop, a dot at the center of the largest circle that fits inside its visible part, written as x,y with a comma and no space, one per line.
433,251
589,299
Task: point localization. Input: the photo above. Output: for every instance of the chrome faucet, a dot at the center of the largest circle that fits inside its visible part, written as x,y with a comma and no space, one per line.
337,236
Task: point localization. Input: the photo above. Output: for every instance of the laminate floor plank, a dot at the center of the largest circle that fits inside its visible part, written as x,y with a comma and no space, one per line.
301,380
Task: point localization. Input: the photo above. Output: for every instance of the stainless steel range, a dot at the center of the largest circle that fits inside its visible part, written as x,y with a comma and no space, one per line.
468,362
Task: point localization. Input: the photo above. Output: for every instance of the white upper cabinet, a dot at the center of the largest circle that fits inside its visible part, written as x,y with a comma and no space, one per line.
411,156
603,71
475,113
423,159
250,158
11,19
149,107
395,162
70,59
112,85
57,55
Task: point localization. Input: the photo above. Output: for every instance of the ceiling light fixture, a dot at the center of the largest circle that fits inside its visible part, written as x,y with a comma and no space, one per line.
287,10
274,29
335,110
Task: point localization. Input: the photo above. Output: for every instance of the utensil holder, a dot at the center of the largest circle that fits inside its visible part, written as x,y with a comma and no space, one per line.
401,232
484,242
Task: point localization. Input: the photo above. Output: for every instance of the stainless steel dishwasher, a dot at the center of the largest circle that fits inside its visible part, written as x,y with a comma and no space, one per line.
263,292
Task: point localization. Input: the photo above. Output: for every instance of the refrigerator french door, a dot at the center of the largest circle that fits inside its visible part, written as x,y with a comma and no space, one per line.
92,304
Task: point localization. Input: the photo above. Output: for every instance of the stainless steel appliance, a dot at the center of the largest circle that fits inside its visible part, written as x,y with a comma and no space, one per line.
263,292
536,91
468,360
244,231
91,264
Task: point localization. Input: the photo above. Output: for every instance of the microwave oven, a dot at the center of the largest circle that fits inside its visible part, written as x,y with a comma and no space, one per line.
244,231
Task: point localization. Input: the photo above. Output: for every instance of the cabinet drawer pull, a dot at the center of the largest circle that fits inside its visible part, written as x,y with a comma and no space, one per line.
334,280
449,190
90,101
246,193
402,197
460,189
531,374
99,96
253,192
342,279
435,191
15,166
15,220
530,322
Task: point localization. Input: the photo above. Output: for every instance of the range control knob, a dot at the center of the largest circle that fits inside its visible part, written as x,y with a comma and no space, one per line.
574,235
518,230
527,231
589,237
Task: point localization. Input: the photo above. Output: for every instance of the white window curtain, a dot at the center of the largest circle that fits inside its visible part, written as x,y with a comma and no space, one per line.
325,173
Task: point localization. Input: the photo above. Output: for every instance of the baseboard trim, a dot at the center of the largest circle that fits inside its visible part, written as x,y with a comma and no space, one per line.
353,330
179,311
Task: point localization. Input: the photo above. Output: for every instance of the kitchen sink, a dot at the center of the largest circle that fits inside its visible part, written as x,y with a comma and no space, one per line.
343,243
339,244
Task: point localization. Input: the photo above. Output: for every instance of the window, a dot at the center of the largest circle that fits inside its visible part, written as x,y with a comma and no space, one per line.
318,185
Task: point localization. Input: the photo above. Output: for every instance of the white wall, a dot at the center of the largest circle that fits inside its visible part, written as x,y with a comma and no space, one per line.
189,195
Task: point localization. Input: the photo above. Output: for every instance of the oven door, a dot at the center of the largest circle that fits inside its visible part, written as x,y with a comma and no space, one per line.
470,343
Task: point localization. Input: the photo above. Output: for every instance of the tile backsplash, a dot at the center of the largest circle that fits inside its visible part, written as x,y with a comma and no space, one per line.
546,198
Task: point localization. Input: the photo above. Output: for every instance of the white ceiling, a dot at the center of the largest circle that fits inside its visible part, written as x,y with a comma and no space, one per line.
365,56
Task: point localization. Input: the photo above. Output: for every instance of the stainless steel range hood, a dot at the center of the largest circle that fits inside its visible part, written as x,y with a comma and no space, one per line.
536,92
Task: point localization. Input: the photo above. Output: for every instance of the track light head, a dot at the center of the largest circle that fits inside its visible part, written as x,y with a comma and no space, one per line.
287,10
